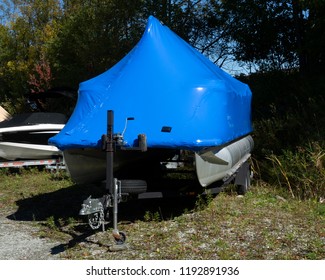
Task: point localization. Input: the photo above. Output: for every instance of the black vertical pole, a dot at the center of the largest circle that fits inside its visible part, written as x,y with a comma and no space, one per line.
110,152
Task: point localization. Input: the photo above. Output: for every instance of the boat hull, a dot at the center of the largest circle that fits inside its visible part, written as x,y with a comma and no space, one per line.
28,142
87,166
212,165
14,151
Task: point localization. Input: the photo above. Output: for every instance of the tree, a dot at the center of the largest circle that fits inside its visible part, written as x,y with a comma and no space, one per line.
81,38
262,32
41,78
313,46
93,37
277,34
78,39
198,22
26,34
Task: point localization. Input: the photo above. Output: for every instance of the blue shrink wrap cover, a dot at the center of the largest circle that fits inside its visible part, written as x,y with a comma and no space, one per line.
177,97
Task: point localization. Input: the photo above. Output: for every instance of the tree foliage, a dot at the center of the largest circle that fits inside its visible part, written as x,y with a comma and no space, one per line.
74,40
278,34
27,32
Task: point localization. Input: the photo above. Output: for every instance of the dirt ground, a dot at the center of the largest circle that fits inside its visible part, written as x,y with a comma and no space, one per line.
19,241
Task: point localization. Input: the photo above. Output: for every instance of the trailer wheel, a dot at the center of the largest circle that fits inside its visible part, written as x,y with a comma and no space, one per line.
243,178
121,240
244,186
133,186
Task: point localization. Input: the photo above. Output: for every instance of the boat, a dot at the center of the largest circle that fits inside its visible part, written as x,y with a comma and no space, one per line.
25,136
174,96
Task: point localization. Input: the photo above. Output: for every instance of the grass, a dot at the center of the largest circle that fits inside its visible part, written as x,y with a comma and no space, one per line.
266,223
20,184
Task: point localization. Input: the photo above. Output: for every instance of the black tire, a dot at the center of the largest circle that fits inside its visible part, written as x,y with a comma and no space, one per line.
133,186
242,189
122,238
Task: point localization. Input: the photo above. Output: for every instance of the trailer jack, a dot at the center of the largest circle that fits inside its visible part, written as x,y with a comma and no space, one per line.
95,208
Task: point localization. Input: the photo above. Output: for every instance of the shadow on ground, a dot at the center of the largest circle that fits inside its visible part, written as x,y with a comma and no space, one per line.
59,204
66,203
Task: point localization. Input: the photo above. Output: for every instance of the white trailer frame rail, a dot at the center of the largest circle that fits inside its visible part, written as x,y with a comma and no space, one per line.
57,163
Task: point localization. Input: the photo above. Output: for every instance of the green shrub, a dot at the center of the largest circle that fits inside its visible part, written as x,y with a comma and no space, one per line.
289,131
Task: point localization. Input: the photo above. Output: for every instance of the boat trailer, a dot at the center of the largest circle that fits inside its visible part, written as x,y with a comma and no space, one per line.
96,209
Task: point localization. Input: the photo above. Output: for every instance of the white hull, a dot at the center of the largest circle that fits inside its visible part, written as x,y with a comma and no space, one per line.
13,151
35,128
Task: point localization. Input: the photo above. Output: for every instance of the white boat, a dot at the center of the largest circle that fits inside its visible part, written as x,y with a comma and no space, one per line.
25,136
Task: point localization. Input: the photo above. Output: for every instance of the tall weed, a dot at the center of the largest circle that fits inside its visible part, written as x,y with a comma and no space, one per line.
289,132
302,171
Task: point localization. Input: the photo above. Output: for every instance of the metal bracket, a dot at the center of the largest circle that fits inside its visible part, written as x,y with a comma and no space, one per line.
141,144
93,208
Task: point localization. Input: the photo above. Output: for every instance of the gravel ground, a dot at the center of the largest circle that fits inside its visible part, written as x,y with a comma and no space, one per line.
18,241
